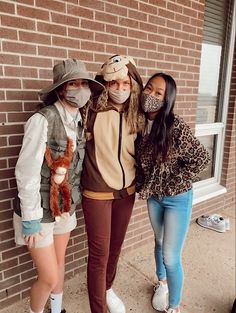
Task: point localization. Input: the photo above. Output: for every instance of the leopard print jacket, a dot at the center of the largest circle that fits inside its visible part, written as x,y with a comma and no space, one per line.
187,158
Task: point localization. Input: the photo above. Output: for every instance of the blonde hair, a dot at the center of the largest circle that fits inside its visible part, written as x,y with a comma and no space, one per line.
133,114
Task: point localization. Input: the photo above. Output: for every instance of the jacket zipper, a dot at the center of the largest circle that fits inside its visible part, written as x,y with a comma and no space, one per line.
119,148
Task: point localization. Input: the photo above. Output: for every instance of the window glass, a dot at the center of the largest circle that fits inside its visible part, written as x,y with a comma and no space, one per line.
208,84
211,61
209,142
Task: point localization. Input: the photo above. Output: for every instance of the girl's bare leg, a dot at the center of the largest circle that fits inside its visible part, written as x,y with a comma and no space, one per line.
45,260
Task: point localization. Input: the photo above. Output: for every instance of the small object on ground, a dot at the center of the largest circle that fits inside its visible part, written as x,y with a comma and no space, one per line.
214,222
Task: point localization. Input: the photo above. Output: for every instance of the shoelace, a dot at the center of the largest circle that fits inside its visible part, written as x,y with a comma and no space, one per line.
215,219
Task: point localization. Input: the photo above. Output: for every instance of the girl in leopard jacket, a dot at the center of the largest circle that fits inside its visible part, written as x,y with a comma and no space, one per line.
168,158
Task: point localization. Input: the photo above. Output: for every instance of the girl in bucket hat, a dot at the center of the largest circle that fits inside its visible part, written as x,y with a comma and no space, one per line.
108,176
55,127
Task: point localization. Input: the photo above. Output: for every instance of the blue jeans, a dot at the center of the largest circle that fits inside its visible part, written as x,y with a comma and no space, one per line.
170,218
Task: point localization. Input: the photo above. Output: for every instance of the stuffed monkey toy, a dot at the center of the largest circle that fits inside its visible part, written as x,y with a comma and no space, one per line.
59,180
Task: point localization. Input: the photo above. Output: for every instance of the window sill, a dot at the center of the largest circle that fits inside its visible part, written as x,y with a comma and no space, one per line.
203,193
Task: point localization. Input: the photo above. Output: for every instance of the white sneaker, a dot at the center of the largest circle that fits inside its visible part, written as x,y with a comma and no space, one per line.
214,221
114,304
160,297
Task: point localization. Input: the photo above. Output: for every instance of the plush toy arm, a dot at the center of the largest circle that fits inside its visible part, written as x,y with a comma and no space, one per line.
69,149
48,156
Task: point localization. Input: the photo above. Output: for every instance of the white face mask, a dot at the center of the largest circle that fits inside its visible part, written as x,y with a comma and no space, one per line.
78,97
119,96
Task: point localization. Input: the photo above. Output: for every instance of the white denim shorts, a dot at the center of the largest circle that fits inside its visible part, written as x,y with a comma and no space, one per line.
65,225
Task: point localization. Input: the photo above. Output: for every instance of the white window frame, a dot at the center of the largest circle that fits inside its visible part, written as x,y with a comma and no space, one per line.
211,187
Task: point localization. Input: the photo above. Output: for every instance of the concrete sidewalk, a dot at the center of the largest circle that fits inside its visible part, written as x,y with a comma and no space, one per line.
209,265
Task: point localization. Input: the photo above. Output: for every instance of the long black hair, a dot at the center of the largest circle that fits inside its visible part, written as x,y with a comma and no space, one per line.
161,133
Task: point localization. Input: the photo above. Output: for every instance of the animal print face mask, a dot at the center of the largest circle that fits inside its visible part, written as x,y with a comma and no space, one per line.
150,103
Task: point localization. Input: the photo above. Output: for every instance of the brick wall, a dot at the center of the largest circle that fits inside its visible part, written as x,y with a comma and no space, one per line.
37,34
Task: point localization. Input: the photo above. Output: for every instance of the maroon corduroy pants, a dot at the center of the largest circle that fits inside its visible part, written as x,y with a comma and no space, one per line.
106,223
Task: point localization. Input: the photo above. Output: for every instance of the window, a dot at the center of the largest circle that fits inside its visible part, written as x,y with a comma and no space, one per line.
213,91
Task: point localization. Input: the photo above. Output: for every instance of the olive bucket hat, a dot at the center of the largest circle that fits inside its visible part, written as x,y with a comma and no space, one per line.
67,70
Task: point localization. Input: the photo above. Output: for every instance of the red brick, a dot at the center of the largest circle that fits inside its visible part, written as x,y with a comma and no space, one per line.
51,5
32,13
157,20
95,5
8,33
17,22
13,184
16,47
166,14
7,194
147,45
5,152
161,3
7,7
146,27
116,50
5,225
22,286
29,2
129,3
79,11
174,7
100,58
3,118
137,34
116,9
31,273
9,300
18,117
20,72
105,17
80,34
34,37
3,185
6,283
137,53
86,24
64,19
10,83
33,84
10,107
2,95
53,52
5,246
189,12
128,42
94,46
3,163
138,15
50,28
106,38
11,129
82,55
8,264
127,22
21,95
66,42
18,270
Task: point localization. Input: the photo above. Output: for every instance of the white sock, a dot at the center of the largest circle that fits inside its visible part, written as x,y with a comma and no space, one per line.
56,302
34,312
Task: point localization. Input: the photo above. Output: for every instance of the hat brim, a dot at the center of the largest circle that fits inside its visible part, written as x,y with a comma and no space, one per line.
94,85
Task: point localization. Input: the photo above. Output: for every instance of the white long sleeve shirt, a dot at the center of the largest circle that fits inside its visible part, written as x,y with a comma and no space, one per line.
31,157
